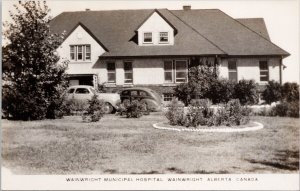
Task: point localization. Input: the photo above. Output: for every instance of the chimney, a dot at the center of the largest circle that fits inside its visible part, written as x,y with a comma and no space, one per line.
186,7
87,9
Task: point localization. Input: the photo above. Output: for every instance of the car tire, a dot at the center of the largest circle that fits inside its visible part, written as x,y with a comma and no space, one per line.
108,108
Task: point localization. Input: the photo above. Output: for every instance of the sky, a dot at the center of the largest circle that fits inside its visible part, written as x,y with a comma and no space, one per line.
281,18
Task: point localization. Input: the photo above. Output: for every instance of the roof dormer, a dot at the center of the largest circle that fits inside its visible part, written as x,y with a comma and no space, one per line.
156,31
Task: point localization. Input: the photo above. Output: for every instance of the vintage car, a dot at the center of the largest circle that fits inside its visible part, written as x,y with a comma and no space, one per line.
84,93
149,96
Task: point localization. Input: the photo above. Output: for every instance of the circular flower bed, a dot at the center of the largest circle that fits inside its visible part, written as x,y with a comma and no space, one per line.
252,126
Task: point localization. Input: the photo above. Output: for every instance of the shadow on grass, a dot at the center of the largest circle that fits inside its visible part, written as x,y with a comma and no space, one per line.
147,172
284,160
210,172
174,170
111,171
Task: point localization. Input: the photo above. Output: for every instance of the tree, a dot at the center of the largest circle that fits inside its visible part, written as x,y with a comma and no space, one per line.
95,111
246,91
272,93
34,74
202,75
290,92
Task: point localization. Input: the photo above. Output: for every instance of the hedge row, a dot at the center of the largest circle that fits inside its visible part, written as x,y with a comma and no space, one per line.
200,113
288,92
220,91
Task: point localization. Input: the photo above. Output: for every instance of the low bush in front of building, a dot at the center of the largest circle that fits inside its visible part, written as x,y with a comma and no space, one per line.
247,92
203,83
272,92
290,92
175,113
222,91
95,110
287,94
133,109
200,113
231,114
73,107
285,109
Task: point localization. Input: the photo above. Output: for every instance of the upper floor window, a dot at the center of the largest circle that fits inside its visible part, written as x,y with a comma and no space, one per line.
264,71
80,52
163,37
232,71
111,72
128,72
147,37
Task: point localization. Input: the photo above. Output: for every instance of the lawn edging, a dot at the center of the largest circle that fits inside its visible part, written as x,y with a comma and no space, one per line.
218,130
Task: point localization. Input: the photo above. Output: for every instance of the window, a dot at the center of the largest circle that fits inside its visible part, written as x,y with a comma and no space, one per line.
264,71
144,94
181,71
168,96
128,72
111,72
72,53
71,91
232,71
82,91
134,93
163,37
125,92
80,52
168,67
88,52
147,37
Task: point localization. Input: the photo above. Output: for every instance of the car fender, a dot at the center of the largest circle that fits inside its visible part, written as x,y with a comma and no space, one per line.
152,104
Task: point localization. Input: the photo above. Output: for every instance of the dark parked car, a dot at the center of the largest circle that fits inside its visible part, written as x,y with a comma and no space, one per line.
152,98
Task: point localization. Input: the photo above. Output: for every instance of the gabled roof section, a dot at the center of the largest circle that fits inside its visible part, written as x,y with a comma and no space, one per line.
88,31
156,11
229,34
256,24
199,32
116,30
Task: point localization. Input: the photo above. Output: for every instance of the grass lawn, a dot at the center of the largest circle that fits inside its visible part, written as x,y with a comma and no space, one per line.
132,146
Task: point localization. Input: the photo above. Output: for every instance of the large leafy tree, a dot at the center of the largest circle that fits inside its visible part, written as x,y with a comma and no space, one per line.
202,75
33,74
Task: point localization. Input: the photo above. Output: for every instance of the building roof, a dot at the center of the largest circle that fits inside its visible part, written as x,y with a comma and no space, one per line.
199,32
256,24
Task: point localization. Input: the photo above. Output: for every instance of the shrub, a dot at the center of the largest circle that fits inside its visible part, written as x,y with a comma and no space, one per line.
175,113
95,111
293,109
230,114
286,109
247,92
221,91
199,113
73,107
272,93
183,92
290,92
201,79
134,109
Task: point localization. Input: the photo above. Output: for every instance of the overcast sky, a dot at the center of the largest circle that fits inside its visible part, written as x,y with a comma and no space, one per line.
281,18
